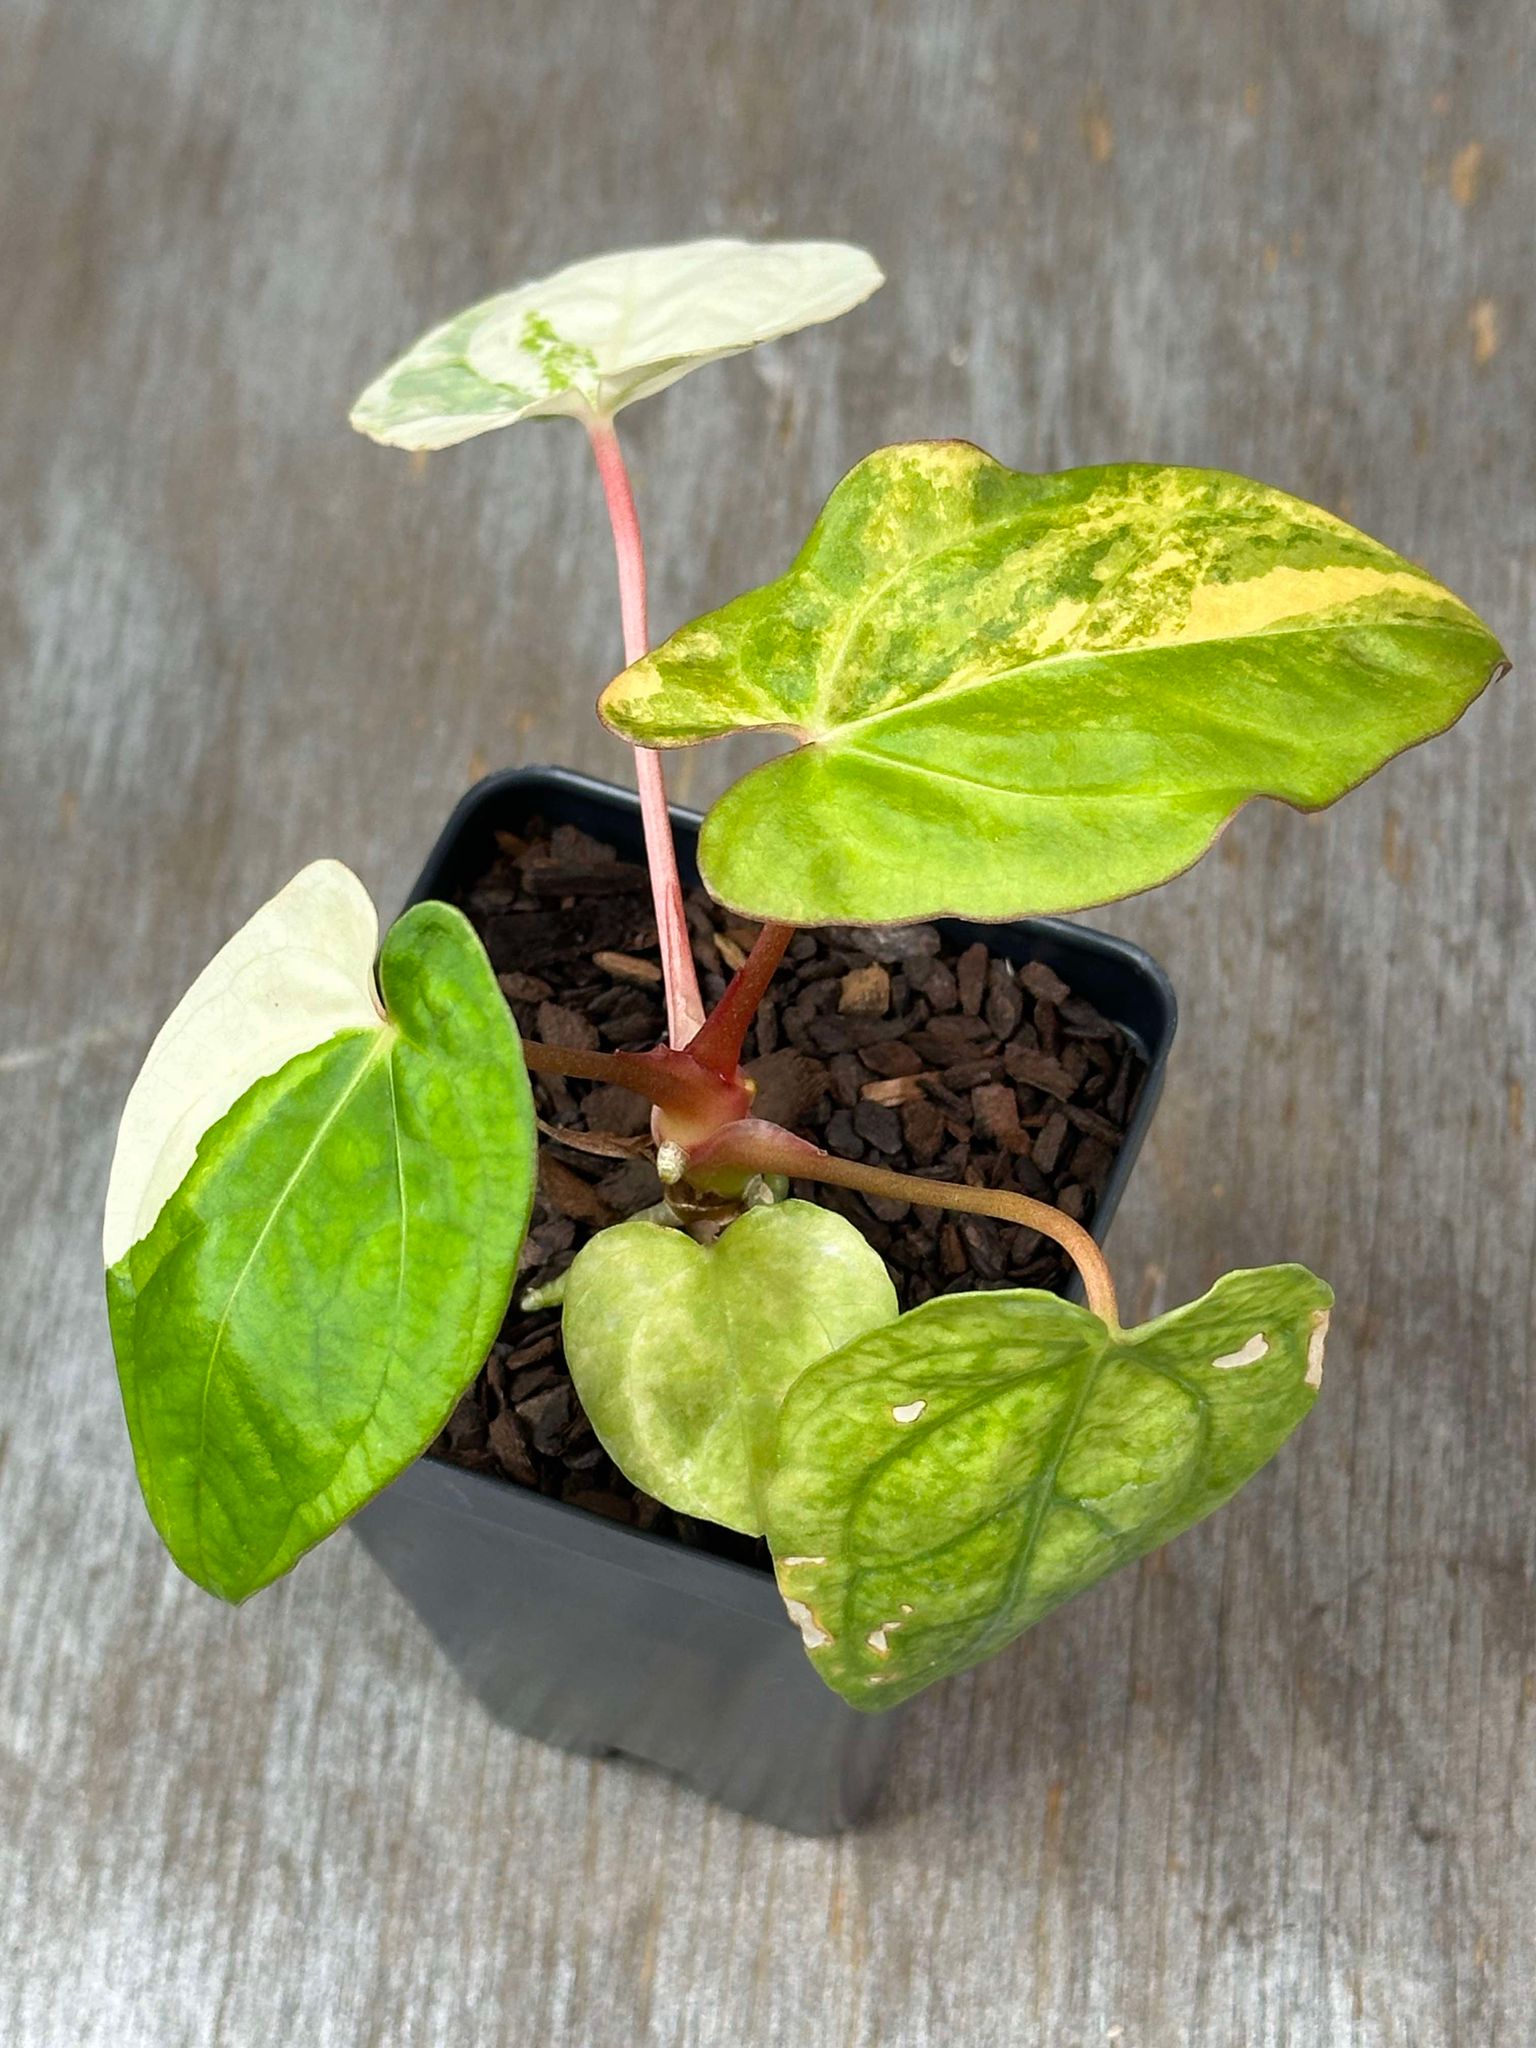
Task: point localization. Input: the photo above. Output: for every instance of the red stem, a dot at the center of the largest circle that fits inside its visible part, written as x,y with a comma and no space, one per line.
730,1147
696,1102
644,1073
685,1010
718,1045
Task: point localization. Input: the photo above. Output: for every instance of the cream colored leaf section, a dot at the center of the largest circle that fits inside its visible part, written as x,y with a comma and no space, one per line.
599,334
647,316
297,974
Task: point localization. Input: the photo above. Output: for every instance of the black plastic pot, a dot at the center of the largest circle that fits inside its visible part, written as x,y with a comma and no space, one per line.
612,1642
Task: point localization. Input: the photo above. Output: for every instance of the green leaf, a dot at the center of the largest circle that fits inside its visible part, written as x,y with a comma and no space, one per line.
600,334
1033,693
681,1353
312,1296
942,1483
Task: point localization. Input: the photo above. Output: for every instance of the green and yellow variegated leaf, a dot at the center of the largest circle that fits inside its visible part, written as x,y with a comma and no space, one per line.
297,1304
600,334
682,1352
945,1481
1033,693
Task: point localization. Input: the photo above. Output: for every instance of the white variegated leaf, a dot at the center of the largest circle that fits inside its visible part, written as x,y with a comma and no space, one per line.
600,334
296,1314
297,973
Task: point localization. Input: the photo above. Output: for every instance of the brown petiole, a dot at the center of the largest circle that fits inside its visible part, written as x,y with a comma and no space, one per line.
724,1157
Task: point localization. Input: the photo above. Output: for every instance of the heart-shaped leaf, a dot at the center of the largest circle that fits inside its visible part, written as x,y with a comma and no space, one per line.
314,1222
1033,693
681,1352
600,334
945,1481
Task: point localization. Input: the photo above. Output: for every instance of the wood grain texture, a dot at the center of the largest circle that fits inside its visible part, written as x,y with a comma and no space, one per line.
1276,1786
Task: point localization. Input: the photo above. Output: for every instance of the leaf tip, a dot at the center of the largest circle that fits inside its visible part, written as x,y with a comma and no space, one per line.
298,970
619,704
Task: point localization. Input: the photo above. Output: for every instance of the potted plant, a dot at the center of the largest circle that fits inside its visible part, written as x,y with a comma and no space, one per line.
1009,695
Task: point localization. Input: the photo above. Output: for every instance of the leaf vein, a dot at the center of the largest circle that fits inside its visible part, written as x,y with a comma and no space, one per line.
365,1067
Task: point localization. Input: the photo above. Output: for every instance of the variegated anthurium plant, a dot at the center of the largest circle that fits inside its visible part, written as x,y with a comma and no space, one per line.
1007,694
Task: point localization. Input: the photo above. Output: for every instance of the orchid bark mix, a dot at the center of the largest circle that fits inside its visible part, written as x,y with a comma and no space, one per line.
1006,694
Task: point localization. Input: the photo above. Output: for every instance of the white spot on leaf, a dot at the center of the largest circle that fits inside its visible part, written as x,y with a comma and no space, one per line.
812,1633
1256,1348
909,1411
789,1563
1315,1343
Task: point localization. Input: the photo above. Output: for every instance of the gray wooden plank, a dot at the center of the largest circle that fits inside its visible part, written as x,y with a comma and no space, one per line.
1274,1787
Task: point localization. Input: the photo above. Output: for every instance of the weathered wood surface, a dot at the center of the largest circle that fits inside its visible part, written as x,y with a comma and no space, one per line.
1278,1785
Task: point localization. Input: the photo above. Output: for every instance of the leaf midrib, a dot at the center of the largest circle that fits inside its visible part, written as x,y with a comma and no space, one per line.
906,1447
382,1047
1048,1498
993,1636
1071,657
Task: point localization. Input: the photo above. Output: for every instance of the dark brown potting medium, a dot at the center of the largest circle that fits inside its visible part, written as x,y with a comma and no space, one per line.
888,1045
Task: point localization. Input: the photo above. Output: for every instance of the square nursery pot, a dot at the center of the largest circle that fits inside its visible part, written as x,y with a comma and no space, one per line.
609,1641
